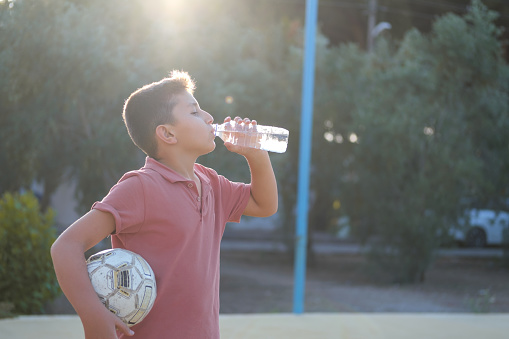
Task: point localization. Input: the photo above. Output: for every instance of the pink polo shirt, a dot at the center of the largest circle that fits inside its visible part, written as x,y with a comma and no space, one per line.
159,215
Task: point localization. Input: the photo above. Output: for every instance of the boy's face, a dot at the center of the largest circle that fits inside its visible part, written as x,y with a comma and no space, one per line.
192,126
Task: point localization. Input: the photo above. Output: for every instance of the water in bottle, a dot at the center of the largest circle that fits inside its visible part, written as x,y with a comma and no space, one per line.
267,138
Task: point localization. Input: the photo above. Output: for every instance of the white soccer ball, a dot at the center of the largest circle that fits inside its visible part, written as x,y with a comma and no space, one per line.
124,282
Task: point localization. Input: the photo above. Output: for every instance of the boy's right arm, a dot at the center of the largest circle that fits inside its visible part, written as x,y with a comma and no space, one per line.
70,267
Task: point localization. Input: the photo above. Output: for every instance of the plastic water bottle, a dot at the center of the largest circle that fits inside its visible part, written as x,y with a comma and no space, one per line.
267,138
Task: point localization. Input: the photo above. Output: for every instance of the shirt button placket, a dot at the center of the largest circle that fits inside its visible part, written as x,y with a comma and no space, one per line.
198,200
198,205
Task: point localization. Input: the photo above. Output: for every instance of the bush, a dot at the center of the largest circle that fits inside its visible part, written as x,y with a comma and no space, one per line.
26,234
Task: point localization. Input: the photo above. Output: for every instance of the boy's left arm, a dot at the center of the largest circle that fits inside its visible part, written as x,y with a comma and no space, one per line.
263,201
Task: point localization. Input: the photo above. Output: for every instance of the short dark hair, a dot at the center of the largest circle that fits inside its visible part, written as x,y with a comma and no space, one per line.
151,106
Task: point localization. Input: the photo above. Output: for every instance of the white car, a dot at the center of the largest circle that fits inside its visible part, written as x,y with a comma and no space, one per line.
485,228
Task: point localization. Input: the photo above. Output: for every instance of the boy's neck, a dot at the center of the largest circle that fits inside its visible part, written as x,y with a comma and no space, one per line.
182,166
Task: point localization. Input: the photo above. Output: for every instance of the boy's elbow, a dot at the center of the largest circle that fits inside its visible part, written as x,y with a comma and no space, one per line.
269,214
58,250
261,209
270,211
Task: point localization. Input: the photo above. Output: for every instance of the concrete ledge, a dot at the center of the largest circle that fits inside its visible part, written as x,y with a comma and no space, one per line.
308,326
365,325
43,327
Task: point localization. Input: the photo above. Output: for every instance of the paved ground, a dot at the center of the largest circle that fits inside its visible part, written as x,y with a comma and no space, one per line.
310,325
251,235
307,326
347,248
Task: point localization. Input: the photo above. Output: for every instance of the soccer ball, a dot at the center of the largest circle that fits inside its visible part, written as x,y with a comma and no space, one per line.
124,282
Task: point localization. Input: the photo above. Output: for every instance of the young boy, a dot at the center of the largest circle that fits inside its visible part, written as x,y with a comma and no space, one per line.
172,212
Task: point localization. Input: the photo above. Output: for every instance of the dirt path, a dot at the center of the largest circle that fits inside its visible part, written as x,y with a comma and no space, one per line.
254,282
262,282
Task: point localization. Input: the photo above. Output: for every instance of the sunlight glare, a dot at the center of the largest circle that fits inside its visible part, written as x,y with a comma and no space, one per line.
428,131
170,14
338,138
328,136
353,138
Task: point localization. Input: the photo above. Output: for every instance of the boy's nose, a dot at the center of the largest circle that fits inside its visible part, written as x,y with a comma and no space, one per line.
209,118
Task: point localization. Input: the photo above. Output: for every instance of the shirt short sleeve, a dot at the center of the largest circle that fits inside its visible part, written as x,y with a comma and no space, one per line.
235,198
125,202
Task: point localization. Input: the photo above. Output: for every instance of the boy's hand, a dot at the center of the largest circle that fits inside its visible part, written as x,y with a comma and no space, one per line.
67,253
264,197
243,150
104,325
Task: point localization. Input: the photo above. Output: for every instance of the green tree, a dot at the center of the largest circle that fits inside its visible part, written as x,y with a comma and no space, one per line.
65,81
423,146
75,63
431,119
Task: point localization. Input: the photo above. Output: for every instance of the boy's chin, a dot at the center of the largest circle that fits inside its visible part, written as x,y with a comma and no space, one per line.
212,148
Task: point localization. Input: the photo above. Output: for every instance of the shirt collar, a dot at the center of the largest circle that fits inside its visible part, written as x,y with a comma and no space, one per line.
170,175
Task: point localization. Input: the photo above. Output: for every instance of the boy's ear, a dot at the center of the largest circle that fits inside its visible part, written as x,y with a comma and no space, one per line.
165,134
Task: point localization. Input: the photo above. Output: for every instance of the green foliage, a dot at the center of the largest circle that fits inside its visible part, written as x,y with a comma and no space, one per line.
95,54
482,302
6,310
404,138
431,116
26,235
53,77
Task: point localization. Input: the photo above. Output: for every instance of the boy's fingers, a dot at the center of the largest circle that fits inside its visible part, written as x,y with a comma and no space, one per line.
242,150
229,146
122,327
233,148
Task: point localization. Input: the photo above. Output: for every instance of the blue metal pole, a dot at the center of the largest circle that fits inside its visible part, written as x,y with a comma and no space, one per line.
306,127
